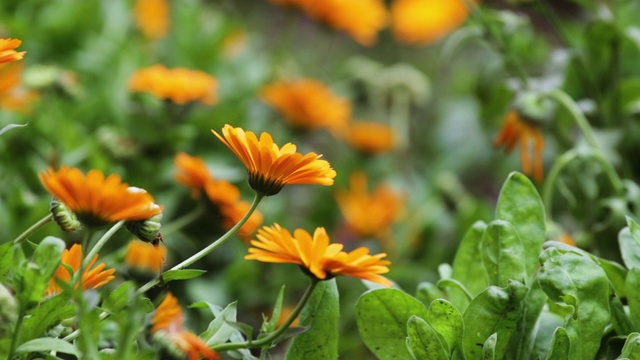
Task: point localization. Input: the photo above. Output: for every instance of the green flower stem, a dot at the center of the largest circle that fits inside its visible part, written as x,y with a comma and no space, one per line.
267,340
202,253
182,221
567,102
16,334
35,227
103,240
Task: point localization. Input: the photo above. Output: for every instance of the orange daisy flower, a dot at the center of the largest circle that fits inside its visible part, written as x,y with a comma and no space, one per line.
316,256
307,104
91,278
270,167
168,322
13,96
152,18
8,52
517,129
369,214
96,200
233,213
370,137
145,256
424,22
179,85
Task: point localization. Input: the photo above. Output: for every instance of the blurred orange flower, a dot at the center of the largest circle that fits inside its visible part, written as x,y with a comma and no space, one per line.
168,321
316,256
566,238
8,52
96,200
233,213
13,97
516,129
145,256
191,172
424,22
370,137
270,167
179,85
152,18
91,278
369,214
308,104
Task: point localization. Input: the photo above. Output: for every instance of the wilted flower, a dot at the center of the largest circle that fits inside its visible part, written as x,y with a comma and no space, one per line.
96,200
369,213
423,22
91,278
8,52
516,129
270,167
370,137
152,17
307,104
179,85
316,256
168,327
146,256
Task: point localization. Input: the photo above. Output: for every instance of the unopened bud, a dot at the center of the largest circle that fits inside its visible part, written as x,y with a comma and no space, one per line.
146,230
64,217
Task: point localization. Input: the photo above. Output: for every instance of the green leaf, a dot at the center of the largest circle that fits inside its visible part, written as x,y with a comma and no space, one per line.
427,292
321,313
272,323
11,126
560,345
546,326
49,313
503,254
495,310
423,341
47,255
48,345
119,298
633,295
382,317
520,204
619,319
220,330
629,248
489,347
446,320
631,349
6,256
465,266
31,278
532,305
575,280
184,274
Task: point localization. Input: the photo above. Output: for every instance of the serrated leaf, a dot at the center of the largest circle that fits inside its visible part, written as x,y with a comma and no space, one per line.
185,274
575,280
520,204
48,345
321,312
495,310
423,341
446,320
382,316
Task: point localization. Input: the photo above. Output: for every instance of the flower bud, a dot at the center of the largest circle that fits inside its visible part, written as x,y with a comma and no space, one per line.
64,217
146,230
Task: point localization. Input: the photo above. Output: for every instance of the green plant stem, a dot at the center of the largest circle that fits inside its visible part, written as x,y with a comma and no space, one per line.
103,240
202,253
567,102
16,335
33,228
183,221
267,340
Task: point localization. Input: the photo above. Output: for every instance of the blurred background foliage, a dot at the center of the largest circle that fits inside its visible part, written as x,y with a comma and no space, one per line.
445,101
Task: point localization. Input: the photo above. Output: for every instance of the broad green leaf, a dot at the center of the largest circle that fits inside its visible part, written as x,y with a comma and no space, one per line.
521,341
119,298
427,292
48,345
489,347
546,326
446,320
47,255
31,278
46,315
382,317
519,203
619,319
629,248
575,280
631,349
503,254
185,274
423,341
465,266
560,345
321,313
495,310
6,256
219,330
633,295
